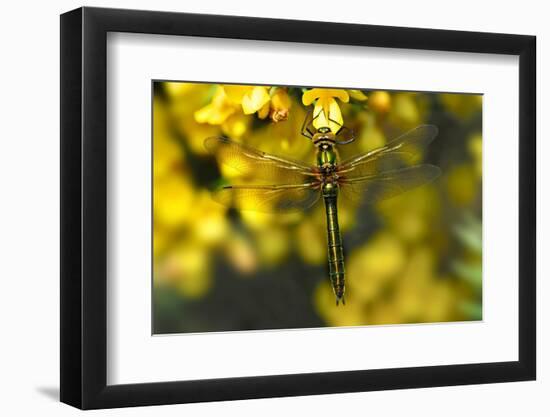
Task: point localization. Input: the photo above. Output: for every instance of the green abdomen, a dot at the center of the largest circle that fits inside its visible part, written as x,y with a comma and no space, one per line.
335,248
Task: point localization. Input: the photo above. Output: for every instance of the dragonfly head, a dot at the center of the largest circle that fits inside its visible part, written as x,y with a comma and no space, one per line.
324,138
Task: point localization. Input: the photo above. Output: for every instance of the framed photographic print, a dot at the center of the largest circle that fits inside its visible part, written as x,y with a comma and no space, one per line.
257,208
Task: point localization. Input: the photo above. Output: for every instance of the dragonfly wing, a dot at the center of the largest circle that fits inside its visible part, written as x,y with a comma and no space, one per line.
405,149
257,164
269,198
371,189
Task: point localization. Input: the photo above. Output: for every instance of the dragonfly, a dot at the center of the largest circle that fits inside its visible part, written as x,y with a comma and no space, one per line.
282,185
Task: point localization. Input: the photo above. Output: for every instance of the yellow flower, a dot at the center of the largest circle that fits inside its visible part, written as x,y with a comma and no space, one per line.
371,267
413,215
283,139
405,109
326,112
160,240
380,101
371,137
236,125
208,220
241,254
352,314
384,312
280,105
462,184
184,100
178,89
310,242
222,110
187,268
252,98
167,154
357,95
173,200
272,245
475,147
265,101
218,110
462,105
410,292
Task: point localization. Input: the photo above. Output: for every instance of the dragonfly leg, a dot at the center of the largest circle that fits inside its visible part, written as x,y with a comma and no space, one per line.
350,139
341,129
335,122
305,127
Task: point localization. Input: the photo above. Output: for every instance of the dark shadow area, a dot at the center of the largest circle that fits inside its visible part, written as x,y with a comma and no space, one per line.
50,392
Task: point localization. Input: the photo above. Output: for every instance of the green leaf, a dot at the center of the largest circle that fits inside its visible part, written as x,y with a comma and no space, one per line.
473,310
469,232
471,273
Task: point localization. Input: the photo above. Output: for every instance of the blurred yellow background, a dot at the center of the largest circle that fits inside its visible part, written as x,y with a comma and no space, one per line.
411,259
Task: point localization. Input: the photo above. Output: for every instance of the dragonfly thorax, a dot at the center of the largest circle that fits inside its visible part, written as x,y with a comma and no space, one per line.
326,158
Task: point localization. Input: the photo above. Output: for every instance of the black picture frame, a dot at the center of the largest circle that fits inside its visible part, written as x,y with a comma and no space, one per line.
84,207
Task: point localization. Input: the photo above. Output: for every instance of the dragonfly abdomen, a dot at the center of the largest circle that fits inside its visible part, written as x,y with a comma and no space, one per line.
335,247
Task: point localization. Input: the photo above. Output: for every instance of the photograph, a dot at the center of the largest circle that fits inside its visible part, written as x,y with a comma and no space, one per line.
306,207
275,209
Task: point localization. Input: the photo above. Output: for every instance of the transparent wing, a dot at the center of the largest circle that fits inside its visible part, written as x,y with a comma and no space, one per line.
269,198
405,149
371,189
257,164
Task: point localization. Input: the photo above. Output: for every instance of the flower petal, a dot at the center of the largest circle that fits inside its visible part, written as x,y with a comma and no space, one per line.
319,116
280,105
264,111
327,113
335,116
280,100
235,93
236,125
217,110
340,94
327,93
213,115
254,100
311,95
357,95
